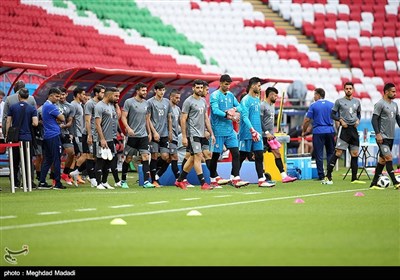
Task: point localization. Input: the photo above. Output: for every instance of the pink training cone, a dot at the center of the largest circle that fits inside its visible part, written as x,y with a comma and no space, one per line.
299,200
358,194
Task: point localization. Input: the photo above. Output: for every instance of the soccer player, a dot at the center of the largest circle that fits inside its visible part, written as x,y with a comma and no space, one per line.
267,120
194,120
106,119
160,118
174,99
136,117
223,108
386,114
347,111
92,137
250,130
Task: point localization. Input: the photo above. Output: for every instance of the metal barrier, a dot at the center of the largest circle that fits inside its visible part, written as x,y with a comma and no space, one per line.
26,174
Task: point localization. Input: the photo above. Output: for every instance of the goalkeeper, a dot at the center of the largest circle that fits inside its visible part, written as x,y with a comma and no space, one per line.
224,109
250,139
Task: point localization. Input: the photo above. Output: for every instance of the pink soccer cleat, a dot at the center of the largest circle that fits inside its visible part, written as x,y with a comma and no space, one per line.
288,179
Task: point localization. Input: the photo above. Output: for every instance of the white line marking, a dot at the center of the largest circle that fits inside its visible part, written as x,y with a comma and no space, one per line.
252,193
48,213
157,202
192,198
121,206
61,222
7,217
85,209
227,195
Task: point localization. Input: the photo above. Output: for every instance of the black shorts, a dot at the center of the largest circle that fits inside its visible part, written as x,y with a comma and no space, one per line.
138,143
350,135
85,146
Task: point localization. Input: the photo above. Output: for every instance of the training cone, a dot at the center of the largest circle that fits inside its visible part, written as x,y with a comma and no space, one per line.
193,213
299,200
358,194
118,221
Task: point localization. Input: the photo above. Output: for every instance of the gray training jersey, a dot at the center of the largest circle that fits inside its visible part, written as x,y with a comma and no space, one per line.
137,111
387,113
348,109
196,110
176,128
68,111
159,110
267,117
108,117
78,125
89,111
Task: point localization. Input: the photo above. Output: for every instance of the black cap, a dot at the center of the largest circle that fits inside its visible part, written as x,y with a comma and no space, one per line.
225,78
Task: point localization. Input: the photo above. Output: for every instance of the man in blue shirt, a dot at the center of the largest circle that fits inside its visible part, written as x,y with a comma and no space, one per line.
51,139
223,108
323,132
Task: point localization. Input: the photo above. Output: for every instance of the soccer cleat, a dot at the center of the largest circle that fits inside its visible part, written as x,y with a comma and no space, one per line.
59,187
326,181
74,176
101,187
44,186
80,180
118,184
181,185
215,185
148,185
93,183
268,184
206,186
124,185
376,188
222,181
237,183
66,178
288,179
396,186
187,184
357,182
107,186
156,184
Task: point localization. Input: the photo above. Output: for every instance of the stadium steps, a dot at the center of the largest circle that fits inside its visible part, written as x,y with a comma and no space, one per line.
280,23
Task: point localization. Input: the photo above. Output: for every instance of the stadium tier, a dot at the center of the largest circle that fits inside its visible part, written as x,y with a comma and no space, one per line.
213,37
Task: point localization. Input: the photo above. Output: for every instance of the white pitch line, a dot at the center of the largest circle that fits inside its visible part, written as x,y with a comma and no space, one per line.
121,206
7,217
251,192
85,209
48,213
155,212
191,198
158,202
227,195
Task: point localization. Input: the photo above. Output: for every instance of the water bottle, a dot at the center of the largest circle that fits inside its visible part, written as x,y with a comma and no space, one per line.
372,138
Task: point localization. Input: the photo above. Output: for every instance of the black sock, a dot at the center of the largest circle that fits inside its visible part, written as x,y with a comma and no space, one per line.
175,169
330,166
125,168
378,172
201,179
183,163
390,171
66,170
182,176
213,165
354,168
279,164
146,170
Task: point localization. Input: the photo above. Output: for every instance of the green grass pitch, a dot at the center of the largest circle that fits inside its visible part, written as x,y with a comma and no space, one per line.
250,226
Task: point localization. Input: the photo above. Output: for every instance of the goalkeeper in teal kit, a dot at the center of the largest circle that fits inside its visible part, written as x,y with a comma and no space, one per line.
224,110
250,140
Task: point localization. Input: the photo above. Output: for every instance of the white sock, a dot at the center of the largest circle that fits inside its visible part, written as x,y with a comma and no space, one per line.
284,175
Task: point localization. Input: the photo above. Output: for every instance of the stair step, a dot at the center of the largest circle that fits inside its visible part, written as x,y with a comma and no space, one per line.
279,22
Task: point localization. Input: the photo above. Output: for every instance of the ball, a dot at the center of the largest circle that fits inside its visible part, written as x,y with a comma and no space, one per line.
384,181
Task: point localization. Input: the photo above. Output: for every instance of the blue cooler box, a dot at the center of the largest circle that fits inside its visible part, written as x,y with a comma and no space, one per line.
303,163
